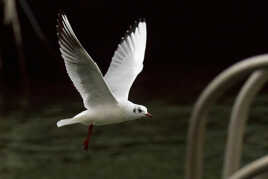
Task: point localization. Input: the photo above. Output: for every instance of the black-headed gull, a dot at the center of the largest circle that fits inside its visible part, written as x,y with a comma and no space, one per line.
105,98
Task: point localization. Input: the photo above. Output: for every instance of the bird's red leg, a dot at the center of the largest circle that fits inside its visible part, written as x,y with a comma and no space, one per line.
86,142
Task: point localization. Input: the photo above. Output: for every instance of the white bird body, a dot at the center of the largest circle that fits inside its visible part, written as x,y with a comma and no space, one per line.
102,115
105,97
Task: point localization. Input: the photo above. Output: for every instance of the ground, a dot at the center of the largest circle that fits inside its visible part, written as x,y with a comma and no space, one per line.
31,146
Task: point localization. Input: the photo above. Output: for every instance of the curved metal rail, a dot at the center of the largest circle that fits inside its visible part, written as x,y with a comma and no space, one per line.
239,117
252,170
212,92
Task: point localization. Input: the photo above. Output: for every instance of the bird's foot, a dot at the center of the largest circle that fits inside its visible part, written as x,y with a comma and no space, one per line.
87,140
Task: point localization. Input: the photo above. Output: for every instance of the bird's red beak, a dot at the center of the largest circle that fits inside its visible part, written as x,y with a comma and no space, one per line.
149,115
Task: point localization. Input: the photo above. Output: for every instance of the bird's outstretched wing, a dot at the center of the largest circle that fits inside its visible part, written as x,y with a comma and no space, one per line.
82,70
127,61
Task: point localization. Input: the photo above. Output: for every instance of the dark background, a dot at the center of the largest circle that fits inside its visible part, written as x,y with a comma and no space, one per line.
188,42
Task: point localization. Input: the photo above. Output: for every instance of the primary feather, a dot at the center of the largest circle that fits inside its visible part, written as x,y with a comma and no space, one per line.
127,61
83,71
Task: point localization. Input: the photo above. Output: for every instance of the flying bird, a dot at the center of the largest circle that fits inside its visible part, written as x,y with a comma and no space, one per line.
105,97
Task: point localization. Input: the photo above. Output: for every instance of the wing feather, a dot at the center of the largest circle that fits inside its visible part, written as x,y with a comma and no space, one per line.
127,61
83,71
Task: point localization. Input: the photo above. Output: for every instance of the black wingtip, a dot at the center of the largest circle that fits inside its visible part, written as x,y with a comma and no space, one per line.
61,13
60,19
142,19
60,16
59,24
132,28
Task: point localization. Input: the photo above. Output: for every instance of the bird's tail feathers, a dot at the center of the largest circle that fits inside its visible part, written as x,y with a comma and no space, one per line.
65,122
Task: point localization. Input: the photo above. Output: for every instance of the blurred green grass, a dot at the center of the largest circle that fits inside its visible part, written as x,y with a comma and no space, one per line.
31,146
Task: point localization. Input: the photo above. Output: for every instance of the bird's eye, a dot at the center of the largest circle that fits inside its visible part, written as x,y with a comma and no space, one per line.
134,110
139,110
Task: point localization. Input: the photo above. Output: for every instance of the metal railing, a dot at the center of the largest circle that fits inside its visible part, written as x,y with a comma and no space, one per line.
239,116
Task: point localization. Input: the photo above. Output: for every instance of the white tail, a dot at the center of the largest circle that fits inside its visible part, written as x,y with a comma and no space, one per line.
65,122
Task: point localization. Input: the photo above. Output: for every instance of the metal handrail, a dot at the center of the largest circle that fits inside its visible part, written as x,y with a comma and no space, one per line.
212,92
239,117
252,170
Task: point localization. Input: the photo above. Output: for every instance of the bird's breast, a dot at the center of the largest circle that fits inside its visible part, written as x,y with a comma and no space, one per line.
103,115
